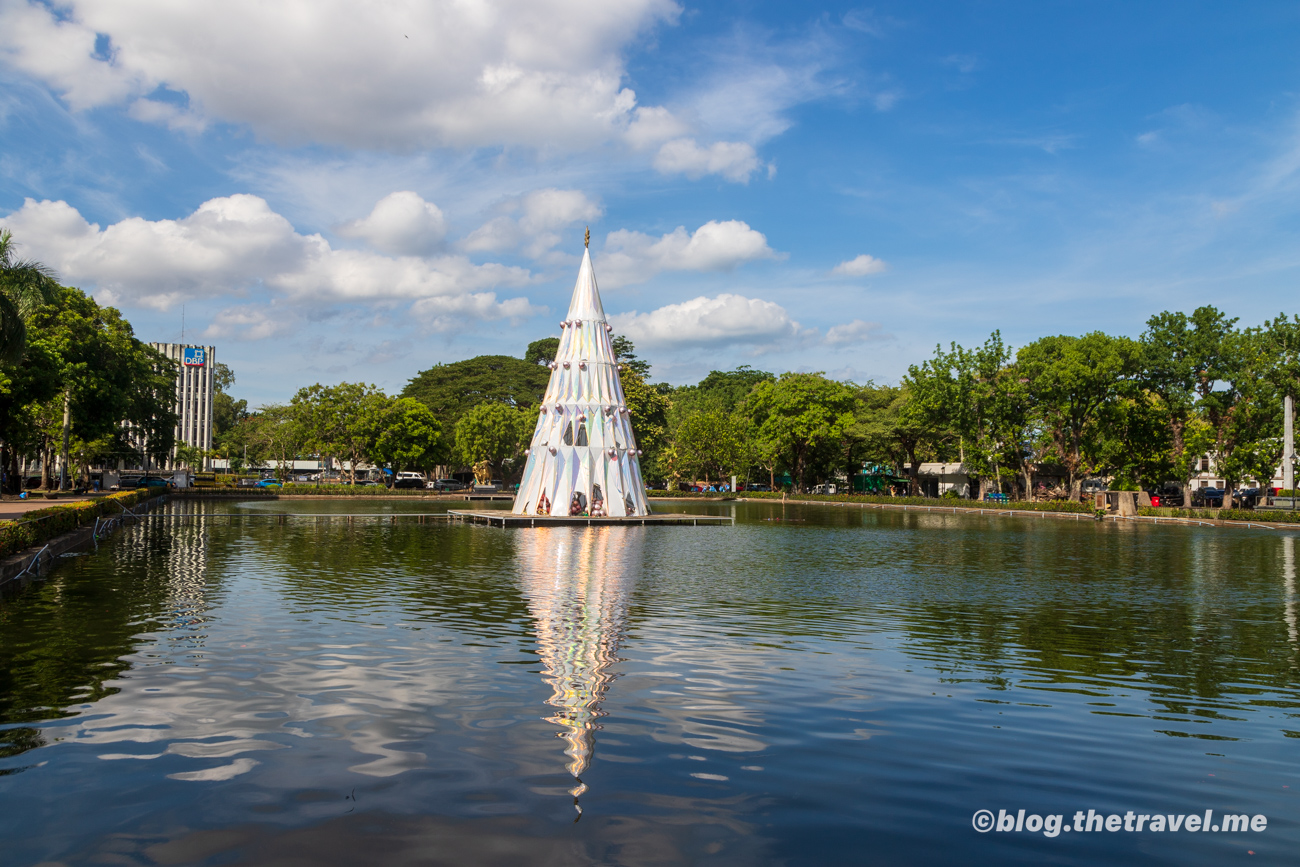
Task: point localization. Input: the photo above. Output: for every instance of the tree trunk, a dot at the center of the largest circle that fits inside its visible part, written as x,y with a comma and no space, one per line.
913,474
17,477
1029,480
46,457
63,456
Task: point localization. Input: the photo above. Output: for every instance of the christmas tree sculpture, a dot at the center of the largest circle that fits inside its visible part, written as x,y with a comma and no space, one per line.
583,459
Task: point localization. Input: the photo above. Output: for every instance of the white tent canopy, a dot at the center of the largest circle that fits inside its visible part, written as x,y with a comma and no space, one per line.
583,459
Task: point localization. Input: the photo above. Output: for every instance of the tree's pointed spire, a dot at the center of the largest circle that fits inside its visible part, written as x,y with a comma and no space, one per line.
586,296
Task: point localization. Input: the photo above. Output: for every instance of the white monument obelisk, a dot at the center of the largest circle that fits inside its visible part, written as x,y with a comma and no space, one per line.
583,459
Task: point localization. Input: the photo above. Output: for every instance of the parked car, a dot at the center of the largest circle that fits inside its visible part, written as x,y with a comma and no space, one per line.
445,485
246,483
269,483
1246,498
409,480
1170,494
1207,497
757,487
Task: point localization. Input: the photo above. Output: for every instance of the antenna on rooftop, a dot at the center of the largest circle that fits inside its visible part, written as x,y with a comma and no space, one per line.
182,323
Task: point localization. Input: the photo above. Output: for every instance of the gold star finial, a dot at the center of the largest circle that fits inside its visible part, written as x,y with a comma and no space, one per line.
586,242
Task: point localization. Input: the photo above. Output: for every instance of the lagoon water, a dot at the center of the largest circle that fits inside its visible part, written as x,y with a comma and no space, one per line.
815,685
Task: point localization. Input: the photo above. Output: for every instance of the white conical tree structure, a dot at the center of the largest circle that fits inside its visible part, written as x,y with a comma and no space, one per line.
583,459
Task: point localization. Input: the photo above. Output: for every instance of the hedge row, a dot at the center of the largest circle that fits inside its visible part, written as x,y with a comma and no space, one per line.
1272,516
41,525
352,490
941,502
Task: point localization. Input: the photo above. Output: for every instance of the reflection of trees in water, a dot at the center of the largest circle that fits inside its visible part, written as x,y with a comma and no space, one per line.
578,584
63,639
1159,614
454,575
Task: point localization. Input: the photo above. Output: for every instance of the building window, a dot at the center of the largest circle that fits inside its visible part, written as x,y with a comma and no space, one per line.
1205,464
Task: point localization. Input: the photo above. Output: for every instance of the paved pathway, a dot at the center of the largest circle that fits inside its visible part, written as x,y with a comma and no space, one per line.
13,508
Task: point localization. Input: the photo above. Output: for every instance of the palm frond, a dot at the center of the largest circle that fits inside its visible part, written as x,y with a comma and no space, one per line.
13,330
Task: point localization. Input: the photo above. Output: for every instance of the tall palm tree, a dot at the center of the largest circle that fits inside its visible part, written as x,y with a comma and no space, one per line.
24,286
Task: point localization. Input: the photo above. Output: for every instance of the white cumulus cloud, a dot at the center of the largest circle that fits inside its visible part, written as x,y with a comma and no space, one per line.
237,246
533,222
386,75
857,331
861,266
401,223
702,322
634,257
735,161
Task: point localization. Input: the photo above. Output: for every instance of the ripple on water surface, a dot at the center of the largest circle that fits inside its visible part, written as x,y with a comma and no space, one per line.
813,685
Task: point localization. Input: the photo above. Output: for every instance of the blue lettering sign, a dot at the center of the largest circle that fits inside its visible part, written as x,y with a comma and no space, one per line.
194,356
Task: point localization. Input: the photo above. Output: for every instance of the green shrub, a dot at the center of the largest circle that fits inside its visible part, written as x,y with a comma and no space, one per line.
352,490
1278,516
41,525
1052,506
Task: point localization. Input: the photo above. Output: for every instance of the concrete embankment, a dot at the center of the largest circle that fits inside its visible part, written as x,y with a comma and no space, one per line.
18,569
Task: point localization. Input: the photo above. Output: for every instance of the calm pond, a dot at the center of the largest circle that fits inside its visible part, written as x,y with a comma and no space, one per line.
812,686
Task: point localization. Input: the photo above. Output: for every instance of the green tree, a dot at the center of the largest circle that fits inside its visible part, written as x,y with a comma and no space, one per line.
341,421
410,438
188,456
25,286
110,385
648,412
226,411
797,414
973,397
711,445
1070,379
451,390
1181,360
542,351
625,352
720,391
276,433
1282,337
1244,410
492,432
890,431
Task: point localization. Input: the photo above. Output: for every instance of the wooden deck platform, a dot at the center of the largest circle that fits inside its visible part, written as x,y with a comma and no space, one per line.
502,518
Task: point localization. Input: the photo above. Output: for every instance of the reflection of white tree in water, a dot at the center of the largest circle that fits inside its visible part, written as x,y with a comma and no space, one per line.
578,584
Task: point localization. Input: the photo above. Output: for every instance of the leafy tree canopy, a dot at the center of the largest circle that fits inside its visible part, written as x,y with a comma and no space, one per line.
492,432
542,351
452,390
625,351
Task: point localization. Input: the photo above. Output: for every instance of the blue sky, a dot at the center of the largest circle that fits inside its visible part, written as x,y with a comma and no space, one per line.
343,191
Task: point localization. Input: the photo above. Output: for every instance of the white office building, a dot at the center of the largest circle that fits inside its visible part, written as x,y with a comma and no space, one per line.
194,390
